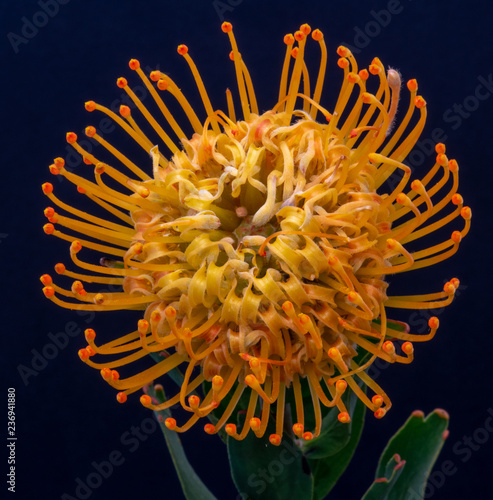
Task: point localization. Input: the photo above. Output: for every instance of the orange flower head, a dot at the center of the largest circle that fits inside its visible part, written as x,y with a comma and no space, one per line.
258,249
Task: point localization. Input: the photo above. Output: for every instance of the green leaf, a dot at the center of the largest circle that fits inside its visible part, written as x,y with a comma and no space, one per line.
381,487
263,471
192,486
418,443
327,471
334,435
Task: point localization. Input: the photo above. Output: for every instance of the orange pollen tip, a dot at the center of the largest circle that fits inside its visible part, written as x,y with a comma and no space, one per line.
121,397
162,84
453,166
145,400
391,243
442,160
433,322
114,375
377,400
342,62
134,64
366,97
457,199
254,362
155,316
99,168
90,334
194,401
380,413
49,291
90,106
122,82
182,49
341,385
60,268
170,423
230,429
407,348
299,36
83,354
298,429
363,74
294,52
342,51
232,56
466,213
306,29
334,353
217,382
287,306
71,137
124,111
98,298
352,296
289,39
419,102
255,423
416,185
90,132
412,85
401,198
155,75
456,236
374,69
344,417
317,35
77,287
170,312
353,78
59,162
76,246
307,436
449,288
81,190
251,380
455,282
54,170
440,148
388,347
49,212
209,428
142,326
49,228
106,373
275,439
226,27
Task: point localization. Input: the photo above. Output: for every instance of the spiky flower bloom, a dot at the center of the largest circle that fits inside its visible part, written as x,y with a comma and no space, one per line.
259,250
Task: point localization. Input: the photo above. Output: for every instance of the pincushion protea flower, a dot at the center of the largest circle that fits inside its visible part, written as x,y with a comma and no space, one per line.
259,250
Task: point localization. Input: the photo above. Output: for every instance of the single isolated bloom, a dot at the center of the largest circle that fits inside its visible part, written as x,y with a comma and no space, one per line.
258,247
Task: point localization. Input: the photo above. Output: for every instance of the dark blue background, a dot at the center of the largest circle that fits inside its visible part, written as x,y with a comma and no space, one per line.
66,416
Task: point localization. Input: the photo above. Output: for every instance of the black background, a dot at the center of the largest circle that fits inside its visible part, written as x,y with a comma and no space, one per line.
66,416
